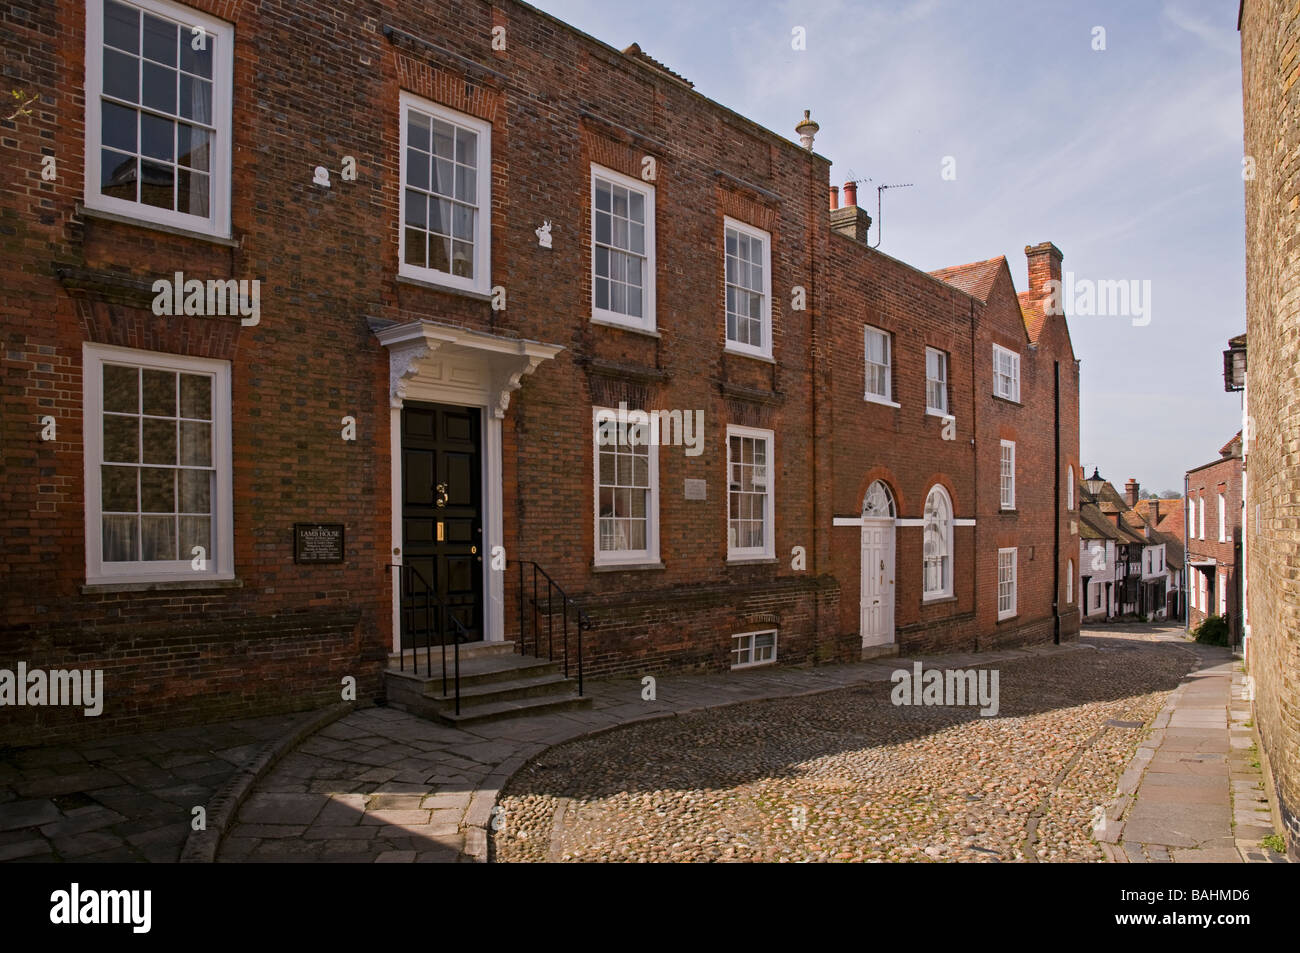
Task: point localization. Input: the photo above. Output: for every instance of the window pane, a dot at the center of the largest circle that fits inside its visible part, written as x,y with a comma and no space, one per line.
462,259
157,537
417,131
118,126
602,196
195,531
157,490
157,185
117,175
156,137
466,185
192,193
196,491
159,392
120,542
159,441
121,439
196,99
118,489
122,26
417,208
196,444
417,169
197,61
443,138
159,40
121,389
158,90
440,253
194,146
466,147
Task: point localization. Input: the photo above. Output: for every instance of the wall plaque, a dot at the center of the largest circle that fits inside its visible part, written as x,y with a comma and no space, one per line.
318,542
697,489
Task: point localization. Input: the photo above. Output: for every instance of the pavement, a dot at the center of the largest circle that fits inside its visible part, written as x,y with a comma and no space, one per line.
379,785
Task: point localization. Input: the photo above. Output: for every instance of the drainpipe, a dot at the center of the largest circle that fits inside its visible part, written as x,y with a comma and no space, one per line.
1056,505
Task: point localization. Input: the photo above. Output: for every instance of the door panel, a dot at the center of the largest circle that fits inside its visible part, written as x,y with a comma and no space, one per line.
442,518
877,609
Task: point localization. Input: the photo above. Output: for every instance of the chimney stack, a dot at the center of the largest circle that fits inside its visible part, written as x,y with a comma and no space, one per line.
1155,511
835,197
1131,491
1044,266
849,220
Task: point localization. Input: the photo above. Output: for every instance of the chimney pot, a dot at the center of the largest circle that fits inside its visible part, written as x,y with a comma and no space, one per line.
850,194
835,197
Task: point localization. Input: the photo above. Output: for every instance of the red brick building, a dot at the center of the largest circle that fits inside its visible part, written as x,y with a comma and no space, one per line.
1214,539
276,323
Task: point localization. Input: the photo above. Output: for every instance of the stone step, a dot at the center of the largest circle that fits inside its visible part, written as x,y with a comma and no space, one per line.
518,708
474,671
488,693
467,650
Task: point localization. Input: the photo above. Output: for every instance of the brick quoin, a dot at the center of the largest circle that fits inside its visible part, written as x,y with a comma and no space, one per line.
314,82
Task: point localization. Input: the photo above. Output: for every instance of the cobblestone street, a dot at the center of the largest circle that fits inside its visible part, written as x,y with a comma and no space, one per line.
849,776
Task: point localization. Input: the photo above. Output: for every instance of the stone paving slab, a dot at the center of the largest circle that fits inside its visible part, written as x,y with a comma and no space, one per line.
127,798
1190,801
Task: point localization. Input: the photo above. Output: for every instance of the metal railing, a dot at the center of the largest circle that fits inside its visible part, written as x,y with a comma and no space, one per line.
566,607
418,597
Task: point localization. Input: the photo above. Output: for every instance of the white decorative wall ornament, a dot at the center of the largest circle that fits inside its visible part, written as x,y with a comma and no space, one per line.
544,234
322,176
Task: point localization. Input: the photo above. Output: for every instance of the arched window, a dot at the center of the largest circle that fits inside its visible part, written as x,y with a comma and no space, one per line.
878,503
1069,488
937,544
1069,582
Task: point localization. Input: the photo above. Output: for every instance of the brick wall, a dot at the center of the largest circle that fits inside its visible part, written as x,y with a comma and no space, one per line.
1206,483
283,635
1270,39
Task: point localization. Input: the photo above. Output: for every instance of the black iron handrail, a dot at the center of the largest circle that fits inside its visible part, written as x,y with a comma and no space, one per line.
410,576
567,605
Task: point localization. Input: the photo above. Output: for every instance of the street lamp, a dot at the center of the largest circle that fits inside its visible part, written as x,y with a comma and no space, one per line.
1094,483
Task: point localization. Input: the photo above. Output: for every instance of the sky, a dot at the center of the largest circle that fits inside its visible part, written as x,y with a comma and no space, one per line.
1128,158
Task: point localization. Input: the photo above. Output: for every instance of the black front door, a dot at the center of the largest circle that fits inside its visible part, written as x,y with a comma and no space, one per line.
442,518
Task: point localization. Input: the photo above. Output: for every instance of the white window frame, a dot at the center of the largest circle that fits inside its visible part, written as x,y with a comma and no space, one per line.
1069,489
887,398
1011,611
217,222
1007,480
1014,391
1223,518
603,315
219,564
481,283
1200,506
629,556
942,380
739,647
929,595
738,347
1069,586
768,550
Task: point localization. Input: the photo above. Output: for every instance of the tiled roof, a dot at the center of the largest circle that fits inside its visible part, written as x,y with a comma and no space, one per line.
976,279
1232,447
635,51
1031,311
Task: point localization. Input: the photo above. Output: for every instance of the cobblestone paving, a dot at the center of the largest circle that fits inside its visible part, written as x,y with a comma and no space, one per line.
126,798
847,775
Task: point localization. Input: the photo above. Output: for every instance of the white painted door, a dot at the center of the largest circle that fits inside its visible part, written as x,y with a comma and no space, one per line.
877,623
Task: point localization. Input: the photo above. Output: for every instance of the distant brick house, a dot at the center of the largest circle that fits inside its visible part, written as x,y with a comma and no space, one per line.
1214,539
1131,560
470,255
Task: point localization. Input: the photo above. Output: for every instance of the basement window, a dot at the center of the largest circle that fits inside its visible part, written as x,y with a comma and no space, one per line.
158,94
753,648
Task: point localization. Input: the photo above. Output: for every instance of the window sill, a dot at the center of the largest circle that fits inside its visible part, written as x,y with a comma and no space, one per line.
626,567
744,665
941,414
446,289
753,356
1008,618
632,329
1006,400
936,600
875,399
1008,511
752,561
91,588
86,211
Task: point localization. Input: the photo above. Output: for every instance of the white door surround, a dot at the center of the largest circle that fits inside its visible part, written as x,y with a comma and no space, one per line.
443,364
